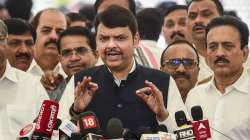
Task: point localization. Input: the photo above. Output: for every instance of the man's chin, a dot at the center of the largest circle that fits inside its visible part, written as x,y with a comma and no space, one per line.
22,66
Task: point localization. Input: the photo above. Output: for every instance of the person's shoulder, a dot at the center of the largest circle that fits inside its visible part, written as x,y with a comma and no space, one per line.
199,90
21,75
93,72
154,72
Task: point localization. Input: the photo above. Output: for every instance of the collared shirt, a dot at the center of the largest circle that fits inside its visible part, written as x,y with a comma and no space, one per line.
226,112
118,81
205,70
36,70
21,96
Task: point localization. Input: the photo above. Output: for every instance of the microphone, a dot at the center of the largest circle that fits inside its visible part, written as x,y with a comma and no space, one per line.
115,130
185,131
27,131
66,129
89,126
200,126
46,120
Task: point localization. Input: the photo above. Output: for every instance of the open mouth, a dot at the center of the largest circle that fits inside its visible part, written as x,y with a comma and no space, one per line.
112,56
199,29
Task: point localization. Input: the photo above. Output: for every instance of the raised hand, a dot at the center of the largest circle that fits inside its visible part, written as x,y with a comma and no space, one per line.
84,93
51,80
152,96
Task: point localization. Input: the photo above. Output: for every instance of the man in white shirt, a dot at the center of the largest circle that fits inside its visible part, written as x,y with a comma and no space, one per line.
21,95
225,98
200,13
48,23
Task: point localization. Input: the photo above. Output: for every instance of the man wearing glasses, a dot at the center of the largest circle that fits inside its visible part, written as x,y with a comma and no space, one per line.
77,51
180,59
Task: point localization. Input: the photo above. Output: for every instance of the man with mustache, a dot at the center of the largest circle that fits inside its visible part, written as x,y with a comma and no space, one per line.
77,51
20,44
49,24
180,59
175,24
225,99
200,13
21,95
122,88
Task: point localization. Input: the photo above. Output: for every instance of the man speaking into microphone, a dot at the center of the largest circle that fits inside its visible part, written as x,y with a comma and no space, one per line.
122,88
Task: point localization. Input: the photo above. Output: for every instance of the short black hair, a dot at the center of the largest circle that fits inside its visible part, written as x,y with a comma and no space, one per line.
117,16
78,31
149,23
218,4
76,17
131,3
17,26
173,8
234,22
19,8
180,42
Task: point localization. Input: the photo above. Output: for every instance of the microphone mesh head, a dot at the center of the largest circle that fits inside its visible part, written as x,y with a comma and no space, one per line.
114,129
197,113
180,118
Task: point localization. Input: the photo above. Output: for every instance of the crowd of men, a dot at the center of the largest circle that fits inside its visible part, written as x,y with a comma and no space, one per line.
113,66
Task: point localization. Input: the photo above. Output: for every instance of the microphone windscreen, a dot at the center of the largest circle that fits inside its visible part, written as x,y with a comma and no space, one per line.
180,118
196,112
47,117
114,129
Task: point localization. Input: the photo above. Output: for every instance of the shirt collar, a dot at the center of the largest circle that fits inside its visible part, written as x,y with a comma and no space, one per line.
117,81
9,73
241,84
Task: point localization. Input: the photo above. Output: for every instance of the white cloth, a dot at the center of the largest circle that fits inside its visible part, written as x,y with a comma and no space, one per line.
175,103
21,96
205,70
36,70
226,112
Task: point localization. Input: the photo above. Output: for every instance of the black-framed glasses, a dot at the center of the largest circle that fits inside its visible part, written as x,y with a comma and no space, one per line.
176,62
80,51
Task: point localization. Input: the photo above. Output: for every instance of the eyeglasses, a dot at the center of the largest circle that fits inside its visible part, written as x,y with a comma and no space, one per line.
80,51
176,62
17,42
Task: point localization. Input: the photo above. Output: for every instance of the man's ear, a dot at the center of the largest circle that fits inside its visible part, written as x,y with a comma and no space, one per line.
245,53
136,39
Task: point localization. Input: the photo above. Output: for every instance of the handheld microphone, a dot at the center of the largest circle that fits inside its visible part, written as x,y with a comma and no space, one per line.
200,126
89,126
67,128
46,120
27,131
185,131
115,130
